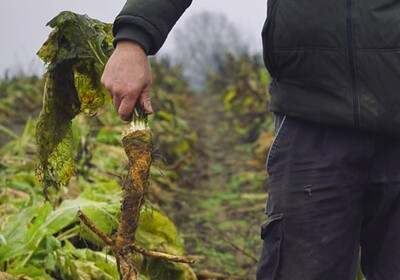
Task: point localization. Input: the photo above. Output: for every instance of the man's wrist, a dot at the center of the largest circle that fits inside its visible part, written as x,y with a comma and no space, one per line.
129,45
133,34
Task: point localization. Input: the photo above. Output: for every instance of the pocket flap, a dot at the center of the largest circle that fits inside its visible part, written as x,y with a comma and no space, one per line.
269,223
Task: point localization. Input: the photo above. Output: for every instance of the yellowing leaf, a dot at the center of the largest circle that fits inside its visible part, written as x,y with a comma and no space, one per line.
75,53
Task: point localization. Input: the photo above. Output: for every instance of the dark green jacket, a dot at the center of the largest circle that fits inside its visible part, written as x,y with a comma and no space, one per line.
334,62
148,22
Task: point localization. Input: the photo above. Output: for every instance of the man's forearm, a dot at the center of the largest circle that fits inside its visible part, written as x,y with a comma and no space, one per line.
148,22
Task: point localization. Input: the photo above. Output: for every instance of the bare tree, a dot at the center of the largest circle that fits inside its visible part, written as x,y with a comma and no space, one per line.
203,44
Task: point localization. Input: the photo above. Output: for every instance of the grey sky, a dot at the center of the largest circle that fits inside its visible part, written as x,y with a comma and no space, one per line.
22,23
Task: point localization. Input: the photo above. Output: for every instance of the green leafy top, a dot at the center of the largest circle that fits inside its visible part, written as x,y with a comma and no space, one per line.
75,55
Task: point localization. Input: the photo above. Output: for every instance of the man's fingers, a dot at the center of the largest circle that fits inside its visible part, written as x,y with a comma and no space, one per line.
125,108
145,102
125,104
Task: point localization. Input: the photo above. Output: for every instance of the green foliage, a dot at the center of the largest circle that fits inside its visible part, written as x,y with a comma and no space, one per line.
242,84
39,242
172,133
202,182
210,180
212,188
40,236
24,233
20,97
156,232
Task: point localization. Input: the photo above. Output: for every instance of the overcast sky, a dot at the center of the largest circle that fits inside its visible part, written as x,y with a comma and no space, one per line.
22,24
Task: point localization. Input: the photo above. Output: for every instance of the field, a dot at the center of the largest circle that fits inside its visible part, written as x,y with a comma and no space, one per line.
206,195
207,185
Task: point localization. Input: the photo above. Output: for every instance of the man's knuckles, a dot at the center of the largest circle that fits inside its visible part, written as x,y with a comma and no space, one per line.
125,91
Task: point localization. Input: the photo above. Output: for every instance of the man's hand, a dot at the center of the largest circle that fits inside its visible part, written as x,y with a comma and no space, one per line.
127,76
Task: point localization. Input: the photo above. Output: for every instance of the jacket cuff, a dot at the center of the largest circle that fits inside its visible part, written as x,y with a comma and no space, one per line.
133,33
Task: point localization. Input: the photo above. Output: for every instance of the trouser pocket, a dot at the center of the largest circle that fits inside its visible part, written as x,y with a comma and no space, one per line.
280,125
271,234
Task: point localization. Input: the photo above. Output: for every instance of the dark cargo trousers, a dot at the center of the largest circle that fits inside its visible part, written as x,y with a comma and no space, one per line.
331,192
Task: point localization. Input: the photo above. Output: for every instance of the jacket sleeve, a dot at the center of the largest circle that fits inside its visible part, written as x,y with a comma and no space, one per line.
148,22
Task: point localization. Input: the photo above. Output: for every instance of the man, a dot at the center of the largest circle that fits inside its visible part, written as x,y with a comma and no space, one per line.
334,183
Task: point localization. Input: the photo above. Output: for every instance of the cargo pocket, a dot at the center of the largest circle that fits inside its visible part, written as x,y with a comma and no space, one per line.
271,234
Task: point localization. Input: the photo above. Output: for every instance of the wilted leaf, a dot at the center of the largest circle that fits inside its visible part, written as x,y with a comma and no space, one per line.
75,53
157,232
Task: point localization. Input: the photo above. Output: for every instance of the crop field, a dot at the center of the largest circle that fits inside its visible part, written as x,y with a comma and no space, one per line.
64,172
205,197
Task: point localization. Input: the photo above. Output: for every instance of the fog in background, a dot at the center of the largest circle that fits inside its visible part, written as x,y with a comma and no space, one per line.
23,30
